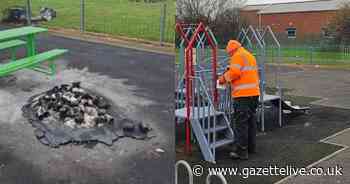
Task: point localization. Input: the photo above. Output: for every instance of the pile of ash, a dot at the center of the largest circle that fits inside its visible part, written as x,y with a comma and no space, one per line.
69,113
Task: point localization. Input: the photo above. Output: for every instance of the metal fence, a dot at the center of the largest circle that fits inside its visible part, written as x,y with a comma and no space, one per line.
322,55
139,19
311,50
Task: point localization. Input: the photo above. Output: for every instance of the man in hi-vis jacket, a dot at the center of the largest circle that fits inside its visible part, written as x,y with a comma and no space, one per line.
243,76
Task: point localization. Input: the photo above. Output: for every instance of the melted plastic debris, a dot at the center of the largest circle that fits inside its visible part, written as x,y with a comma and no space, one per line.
69,113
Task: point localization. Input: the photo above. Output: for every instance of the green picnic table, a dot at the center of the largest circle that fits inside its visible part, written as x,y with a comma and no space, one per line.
12,39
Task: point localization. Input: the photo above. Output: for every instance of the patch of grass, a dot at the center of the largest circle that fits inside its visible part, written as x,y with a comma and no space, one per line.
305,55
115,17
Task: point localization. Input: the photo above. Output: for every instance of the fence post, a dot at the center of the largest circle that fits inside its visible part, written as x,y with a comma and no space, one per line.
311,54
162,23
29,12
82,15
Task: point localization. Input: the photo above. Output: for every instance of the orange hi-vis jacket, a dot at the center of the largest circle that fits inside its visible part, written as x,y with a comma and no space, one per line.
242,74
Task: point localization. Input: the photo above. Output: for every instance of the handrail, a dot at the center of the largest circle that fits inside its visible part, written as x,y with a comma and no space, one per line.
200,35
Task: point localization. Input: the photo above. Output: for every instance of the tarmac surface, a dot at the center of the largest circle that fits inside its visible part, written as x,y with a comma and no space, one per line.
140,83
302,141
332,87
297,144
339,159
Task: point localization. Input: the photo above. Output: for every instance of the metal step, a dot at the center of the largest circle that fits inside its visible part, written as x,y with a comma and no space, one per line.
220,143
181,113
202,141
217,129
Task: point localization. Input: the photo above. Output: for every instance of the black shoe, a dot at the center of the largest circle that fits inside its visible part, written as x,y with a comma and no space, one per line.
241,156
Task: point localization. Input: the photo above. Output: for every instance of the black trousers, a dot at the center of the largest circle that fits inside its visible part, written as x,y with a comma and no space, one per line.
245,122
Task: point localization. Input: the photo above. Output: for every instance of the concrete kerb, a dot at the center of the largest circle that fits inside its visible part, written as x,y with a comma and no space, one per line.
326,141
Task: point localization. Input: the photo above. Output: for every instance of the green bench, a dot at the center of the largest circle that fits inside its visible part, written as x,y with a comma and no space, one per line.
12,38
13,45
32,62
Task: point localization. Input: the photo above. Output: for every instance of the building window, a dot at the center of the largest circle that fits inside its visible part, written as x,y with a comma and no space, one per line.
291,32
326,33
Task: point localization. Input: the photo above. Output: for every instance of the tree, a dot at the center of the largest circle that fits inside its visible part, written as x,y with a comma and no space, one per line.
222,16
207,10
340,25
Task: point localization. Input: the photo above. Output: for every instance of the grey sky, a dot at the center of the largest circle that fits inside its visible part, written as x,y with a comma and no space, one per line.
271,1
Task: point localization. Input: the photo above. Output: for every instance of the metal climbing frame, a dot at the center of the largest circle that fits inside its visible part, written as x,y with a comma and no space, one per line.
198,101
254,39
275,45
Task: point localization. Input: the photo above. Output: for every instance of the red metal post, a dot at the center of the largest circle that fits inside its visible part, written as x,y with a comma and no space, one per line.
189,78
179,29
188,101
189,73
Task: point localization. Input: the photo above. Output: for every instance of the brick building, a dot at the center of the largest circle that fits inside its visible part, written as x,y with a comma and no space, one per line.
297,20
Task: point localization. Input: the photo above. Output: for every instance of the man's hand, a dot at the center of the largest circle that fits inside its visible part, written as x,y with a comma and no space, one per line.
221,79
219,85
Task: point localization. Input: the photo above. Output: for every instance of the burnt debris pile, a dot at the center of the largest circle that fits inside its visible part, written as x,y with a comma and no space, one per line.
73,106
70,113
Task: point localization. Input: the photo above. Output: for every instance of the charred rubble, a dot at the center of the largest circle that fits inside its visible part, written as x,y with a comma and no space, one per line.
70,113
73,106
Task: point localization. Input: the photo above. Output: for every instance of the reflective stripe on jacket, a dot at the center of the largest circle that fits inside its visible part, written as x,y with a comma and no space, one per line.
242,74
